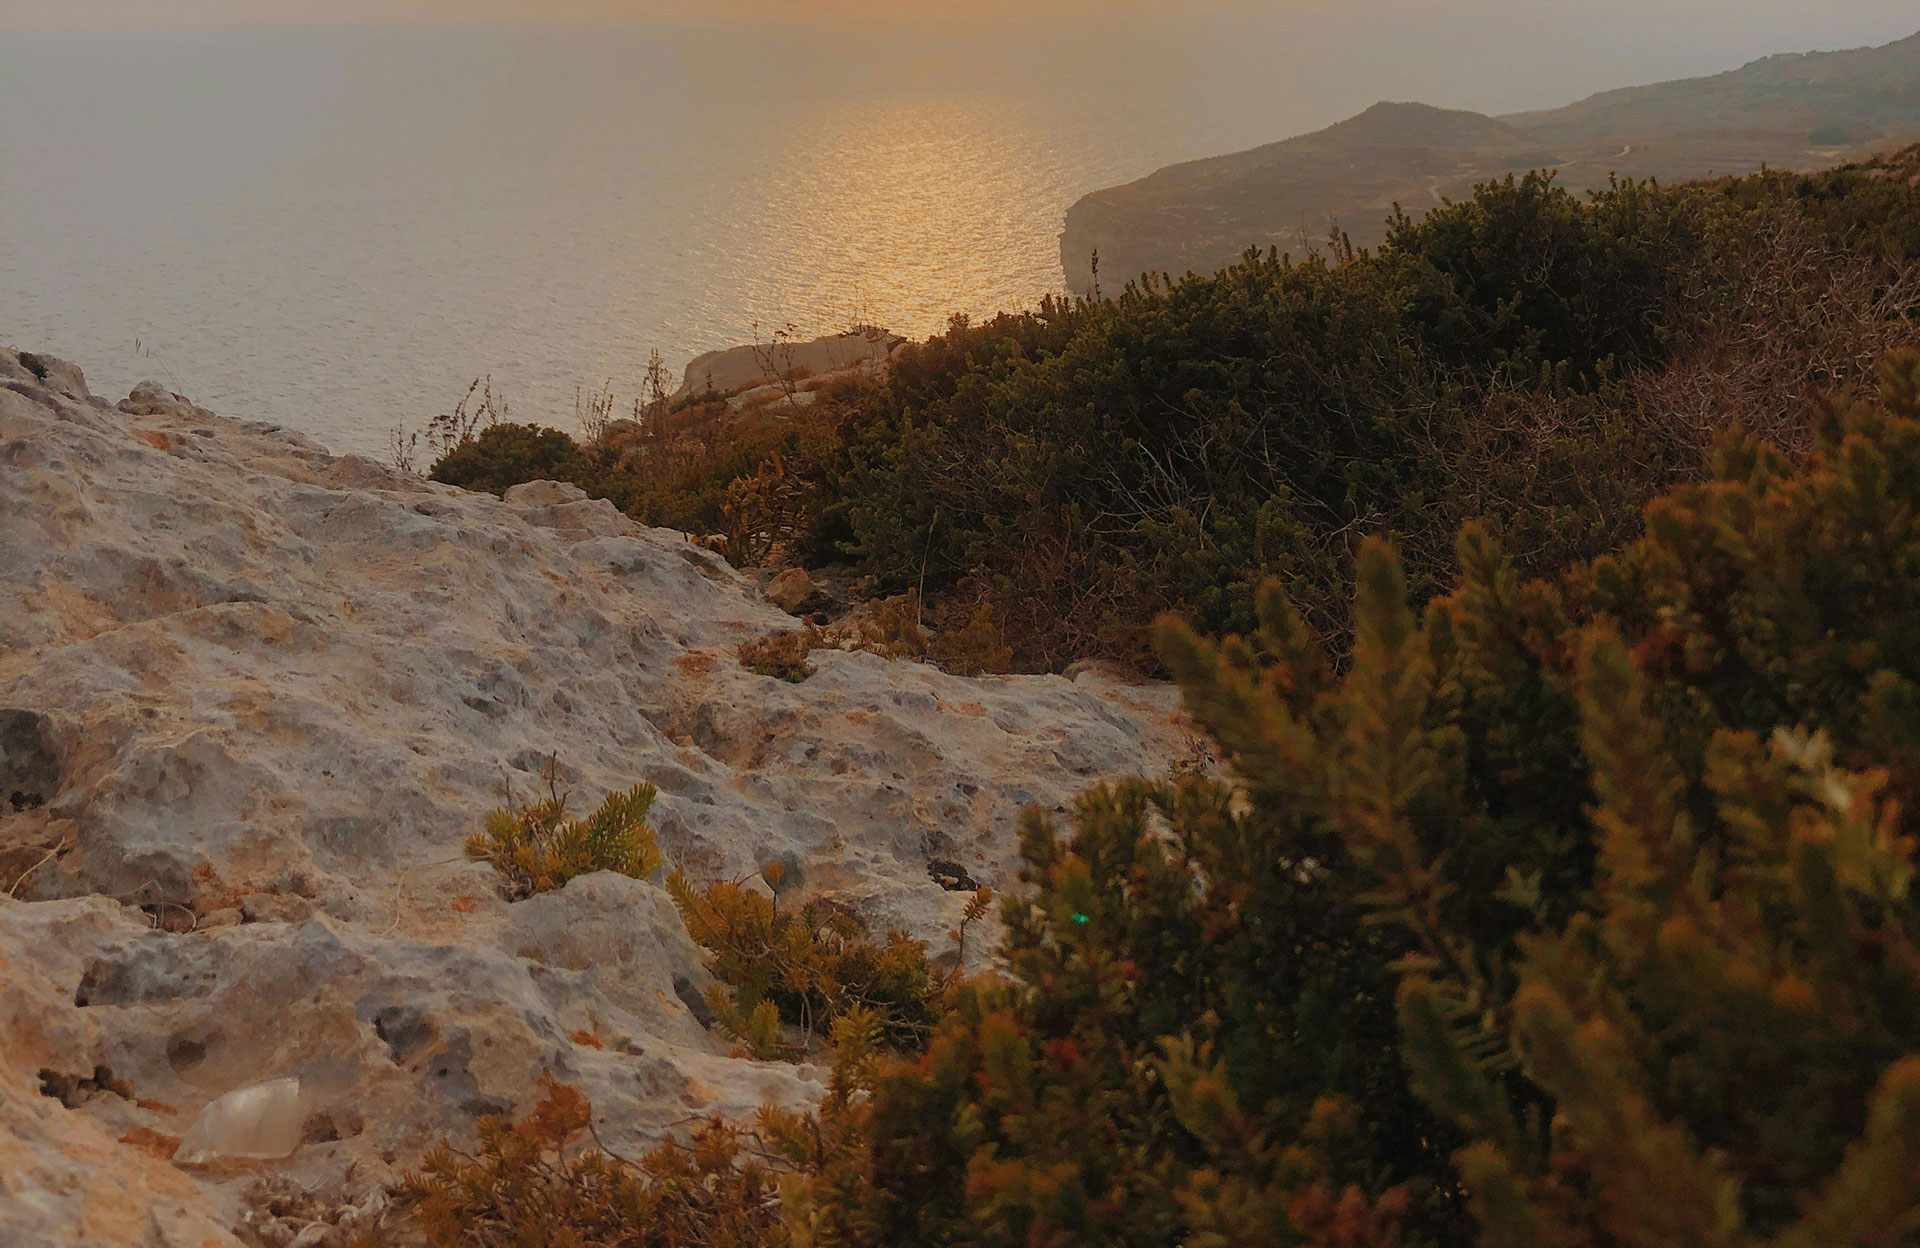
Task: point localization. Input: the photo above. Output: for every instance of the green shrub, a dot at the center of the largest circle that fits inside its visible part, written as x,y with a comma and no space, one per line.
1558,916
804,968
1544,364
506,455
539,848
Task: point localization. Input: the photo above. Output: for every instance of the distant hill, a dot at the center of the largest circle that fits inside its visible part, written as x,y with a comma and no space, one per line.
1791,111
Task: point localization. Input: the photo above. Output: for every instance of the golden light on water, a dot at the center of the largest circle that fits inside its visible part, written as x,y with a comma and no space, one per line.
932,205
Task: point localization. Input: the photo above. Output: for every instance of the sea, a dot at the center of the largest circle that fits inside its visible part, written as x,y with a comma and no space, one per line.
339,228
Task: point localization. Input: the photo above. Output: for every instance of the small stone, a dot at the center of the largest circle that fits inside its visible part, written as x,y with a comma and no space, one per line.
791,590
226,916
952,876
259,1122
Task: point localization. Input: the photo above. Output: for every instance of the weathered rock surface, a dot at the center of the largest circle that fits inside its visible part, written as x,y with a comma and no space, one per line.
794,592
253,697
804,364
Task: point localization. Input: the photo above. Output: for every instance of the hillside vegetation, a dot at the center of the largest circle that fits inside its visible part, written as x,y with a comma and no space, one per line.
1570,912
1547,582
1538,362
1782,112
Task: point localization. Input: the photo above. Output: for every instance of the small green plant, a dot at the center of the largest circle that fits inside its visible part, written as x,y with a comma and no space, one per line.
801,969
539,848
782,655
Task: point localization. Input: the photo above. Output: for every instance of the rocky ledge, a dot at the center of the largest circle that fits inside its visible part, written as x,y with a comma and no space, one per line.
254,696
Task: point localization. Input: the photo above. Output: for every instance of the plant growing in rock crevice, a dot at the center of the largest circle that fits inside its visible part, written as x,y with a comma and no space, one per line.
539,848
782,656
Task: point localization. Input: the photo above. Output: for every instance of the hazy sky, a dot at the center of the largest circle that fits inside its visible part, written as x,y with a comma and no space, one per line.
1833,19
1329,56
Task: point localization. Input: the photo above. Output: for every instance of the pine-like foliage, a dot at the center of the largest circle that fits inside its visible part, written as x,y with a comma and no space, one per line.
1730,1033
1565,914
803,968
540,848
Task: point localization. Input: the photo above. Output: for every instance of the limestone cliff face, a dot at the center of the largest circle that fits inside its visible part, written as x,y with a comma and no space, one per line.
254,696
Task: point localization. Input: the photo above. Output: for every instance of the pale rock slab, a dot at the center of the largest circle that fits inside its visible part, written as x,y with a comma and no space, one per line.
260,695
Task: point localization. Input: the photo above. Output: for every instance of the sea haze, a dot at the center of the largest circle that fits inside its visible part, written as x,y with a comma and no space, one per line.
339,228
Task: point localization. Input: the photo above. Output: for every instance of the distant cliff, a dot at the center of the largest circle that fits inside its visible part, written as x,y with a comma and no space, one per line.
1789,111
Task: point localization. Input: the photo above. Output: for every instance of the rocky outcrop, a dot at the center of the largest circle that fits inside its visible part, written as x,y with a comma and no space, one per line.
254,696
786,369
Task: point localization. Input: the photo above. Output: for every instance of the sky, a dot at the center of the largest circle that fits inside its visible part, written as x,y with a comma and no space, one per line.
1299,64
1491,55
65,13
1842,18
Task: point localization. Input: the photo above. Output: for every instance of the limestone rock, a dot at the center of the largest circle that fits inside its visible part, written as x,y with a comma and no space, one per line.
793,591
242,675
736,369
58,376
150,398
535,494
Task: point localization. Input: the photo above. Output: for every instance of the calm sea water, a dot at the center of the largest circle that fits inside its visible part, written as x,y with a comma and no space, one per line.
338,229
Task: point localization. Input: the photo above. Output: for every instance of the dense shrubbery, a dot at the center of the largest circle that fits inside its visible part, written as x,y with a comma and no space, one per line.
1562,894
1560,917
1522,358
1567,913
1542,364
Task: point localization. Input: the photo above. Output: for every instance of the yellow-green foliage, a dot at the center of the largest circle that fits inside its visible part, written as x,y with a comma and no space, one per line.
827,1185
534,1184
803,968
538,1183
540,848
